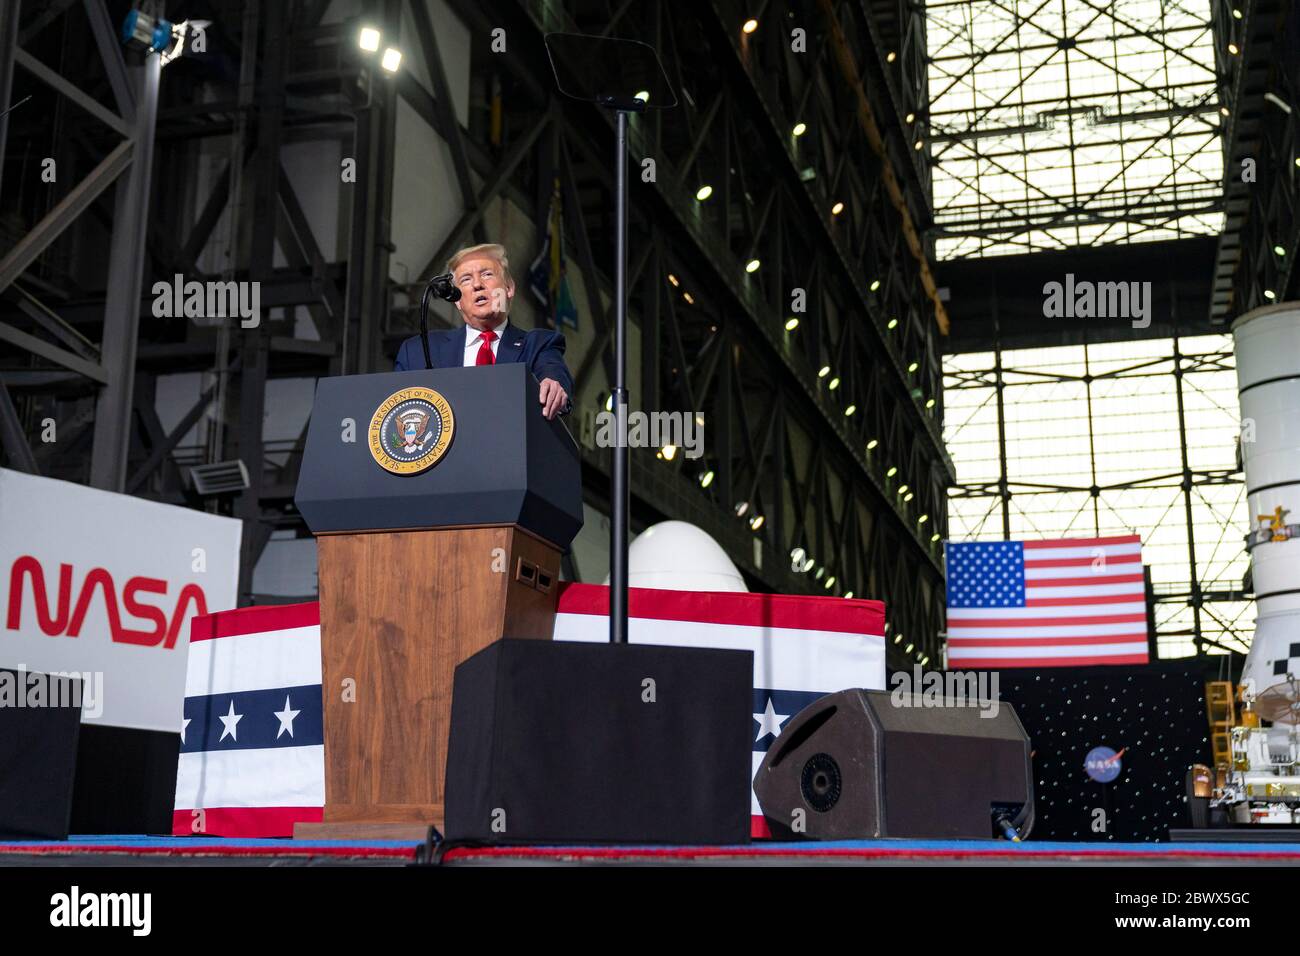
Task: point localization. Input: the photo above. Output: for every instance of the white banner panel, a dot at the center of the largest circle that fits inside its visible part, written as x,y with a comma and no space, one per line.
104,585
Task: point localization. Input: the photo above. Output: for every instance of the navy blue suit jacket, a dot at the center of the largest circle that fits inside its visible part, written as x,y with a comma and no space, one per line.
542,350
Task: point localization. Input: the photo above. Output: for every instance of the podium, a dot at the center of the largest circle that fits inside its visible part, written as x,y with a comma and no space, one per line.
441,502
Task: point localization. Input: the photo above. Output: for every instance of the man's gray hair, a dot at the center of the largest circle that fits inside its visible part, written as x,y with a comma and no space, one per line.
486,250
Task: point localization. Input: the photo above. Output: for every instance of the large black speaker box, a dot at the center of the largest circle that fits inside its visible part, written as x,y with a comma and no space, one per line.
851,765
40,716
568,742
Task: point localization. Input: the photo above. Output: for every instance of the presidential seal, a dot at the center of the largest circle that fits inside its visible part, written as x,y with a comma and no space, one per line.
411,431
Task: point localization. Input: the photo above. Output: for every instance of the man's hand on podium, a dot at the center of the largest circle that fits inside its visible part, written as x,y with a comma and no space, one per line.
553,397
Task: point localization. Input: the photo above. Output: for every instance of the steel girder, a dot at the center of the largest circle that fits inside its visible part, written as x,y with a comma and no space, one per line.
110,366
1260,87
856,268
778,437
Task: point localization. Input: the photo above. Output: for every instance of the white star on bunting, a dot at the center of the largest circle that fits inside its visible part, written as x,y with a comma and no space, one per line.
229,721
286,718
769,721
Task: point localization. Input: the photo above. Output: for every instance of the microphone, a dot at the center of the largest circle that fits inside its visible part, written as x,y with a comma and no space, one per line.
442,287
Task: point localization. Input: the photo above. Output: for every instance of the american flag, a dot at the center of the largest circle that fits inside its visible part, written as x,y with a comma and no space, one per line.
1046,603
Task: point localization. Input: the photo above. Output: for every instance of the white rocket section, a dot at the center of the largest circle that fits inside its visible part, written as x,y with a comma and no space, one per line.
680,557
1267,343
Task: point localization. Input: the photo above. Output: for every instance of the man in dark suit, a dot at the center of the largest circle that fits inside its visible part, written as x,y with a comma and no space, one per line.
482,273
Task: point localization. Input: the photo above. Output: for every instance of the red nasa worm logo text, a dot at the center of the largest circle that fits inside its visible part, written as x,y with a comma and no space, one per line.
64,617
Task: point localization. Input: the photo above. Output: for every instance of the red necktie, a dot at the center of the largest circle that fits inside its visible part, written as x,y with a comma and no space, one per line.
485,356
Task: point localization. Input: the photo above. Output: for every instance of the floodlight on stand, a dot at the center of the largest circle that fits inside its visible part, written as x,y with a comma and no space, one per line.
368,39
146,32
391,60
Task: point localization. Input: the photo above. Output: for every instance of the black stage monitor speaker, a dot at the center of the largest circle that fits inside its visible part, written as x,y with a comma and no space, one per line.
40,716
566,742
851,765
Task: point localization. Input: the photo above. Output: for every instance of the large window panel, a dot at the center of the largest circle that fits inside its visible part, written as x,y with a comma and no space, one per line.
1107,415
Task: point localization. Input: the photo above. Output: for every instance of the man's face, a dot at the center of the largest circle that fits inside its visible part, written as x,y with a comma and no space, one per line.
484,293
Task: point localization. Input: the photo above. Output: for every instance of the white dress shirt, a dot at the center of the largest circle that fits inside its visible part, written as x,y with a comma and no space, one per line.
474,338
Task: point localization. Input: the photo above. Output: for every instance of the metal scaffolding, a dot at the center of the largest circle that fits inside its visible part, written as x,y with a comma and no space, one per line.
814,426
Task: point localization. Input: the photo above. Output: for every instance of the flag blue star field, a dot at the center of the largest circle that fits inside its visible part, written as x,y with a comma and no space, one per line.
1059,603
252,760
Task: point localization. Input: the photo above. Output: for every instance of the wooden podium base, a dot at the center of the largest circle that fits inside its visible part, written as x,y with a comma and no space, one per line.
414,832
399,611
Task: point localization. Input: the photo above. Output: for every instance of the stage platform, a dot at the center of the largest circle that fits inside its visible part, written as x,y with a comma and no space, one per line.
216,851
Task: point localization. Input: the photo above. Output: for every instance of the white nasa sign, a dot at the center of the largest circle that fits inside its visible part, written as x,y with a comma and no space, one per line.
104,585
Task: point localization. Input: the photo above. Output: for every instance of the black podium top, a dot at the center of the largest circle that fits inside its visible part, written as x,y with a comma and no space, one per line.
504,463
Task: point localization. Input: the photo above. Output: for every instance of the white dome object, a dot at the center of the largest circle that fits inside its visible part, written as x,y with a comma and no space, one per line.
1267,344
678,556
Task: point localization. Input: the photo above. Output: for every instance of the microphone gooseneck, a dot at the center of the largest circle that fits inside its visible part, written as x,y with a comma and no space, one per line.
442,287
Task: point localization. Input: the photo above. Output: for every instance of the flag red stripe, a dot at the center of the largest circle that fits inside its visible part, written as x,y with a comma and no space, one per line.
958,623
254,620
243,821
1082,562
1043,641
1073,601
790,611
1082,582
1081,542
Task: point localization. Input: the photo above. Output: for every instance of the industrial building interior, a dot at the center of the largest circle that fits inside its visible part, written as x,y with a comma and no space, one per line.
840,242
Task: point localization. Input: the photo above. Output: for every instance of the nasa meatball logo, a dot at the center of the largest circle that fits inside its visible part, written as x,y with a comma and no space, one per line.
1103,764
411,430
